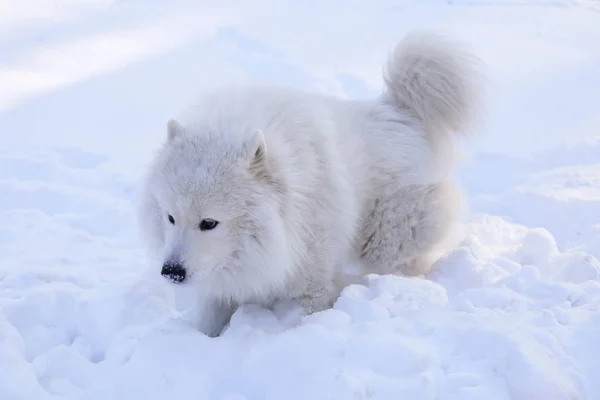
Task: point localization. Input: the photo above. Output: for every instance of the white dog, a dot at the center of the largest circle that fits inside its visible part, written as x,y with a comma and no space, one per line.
266,191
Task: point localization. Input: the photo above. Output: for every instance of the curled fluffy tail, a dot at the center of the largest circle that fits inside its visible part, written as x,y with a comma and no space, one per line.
437,80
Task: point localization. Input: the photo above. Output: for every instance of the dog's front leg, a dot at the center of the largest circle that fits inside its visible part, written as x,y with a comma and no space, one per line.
214,315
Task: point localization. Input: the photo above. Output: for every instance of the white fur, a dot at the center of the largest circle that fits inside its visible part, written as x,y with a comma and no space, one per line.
437,80
301,182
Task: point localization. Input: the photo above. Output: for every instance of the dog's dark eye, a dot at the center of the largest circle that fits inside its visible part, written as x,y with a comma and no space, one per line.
171,219
208,224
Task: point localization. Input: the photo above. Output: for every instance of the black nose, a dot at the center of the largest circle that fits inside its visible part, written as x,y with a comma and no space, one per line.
173,270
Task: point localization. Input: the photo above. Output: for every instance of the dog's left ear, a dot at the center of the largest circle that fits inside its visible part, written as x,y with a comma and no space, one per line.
174,129
256,151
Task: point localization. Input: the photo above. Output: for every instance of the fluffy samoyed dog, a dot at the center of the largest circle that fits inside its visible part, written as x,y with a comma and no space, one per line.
265,192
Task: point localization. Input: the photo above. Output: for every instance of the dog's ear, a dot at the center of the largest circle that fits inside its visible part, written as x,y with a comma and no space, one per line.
256,151
174,129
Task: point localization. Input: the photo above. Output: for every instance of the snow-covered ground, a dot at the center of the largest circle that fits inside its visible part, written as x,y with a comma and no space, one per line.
86,87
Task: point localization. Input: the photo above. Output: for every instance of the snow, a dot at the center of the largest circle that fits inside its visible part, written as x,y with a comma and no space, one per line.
86,88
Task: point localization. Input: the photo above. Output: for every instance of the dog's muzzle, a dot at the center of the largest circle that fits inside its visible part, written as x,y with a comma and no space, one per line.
174,271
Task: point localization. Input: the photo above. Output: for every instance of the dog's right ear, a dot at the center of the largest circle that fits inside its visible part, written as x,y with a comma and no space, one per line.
174,129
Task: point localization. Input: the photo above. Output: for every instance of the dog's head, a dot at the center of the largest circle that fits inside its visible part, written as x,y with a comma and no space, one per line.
215,209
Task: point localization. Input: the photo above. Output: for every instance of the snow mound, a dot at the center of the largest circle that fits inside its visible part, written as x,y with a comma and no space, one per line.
561,193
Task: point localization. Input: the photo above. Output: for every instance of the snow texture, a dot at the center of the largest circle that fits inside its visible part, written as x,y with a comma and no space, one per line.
512,311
